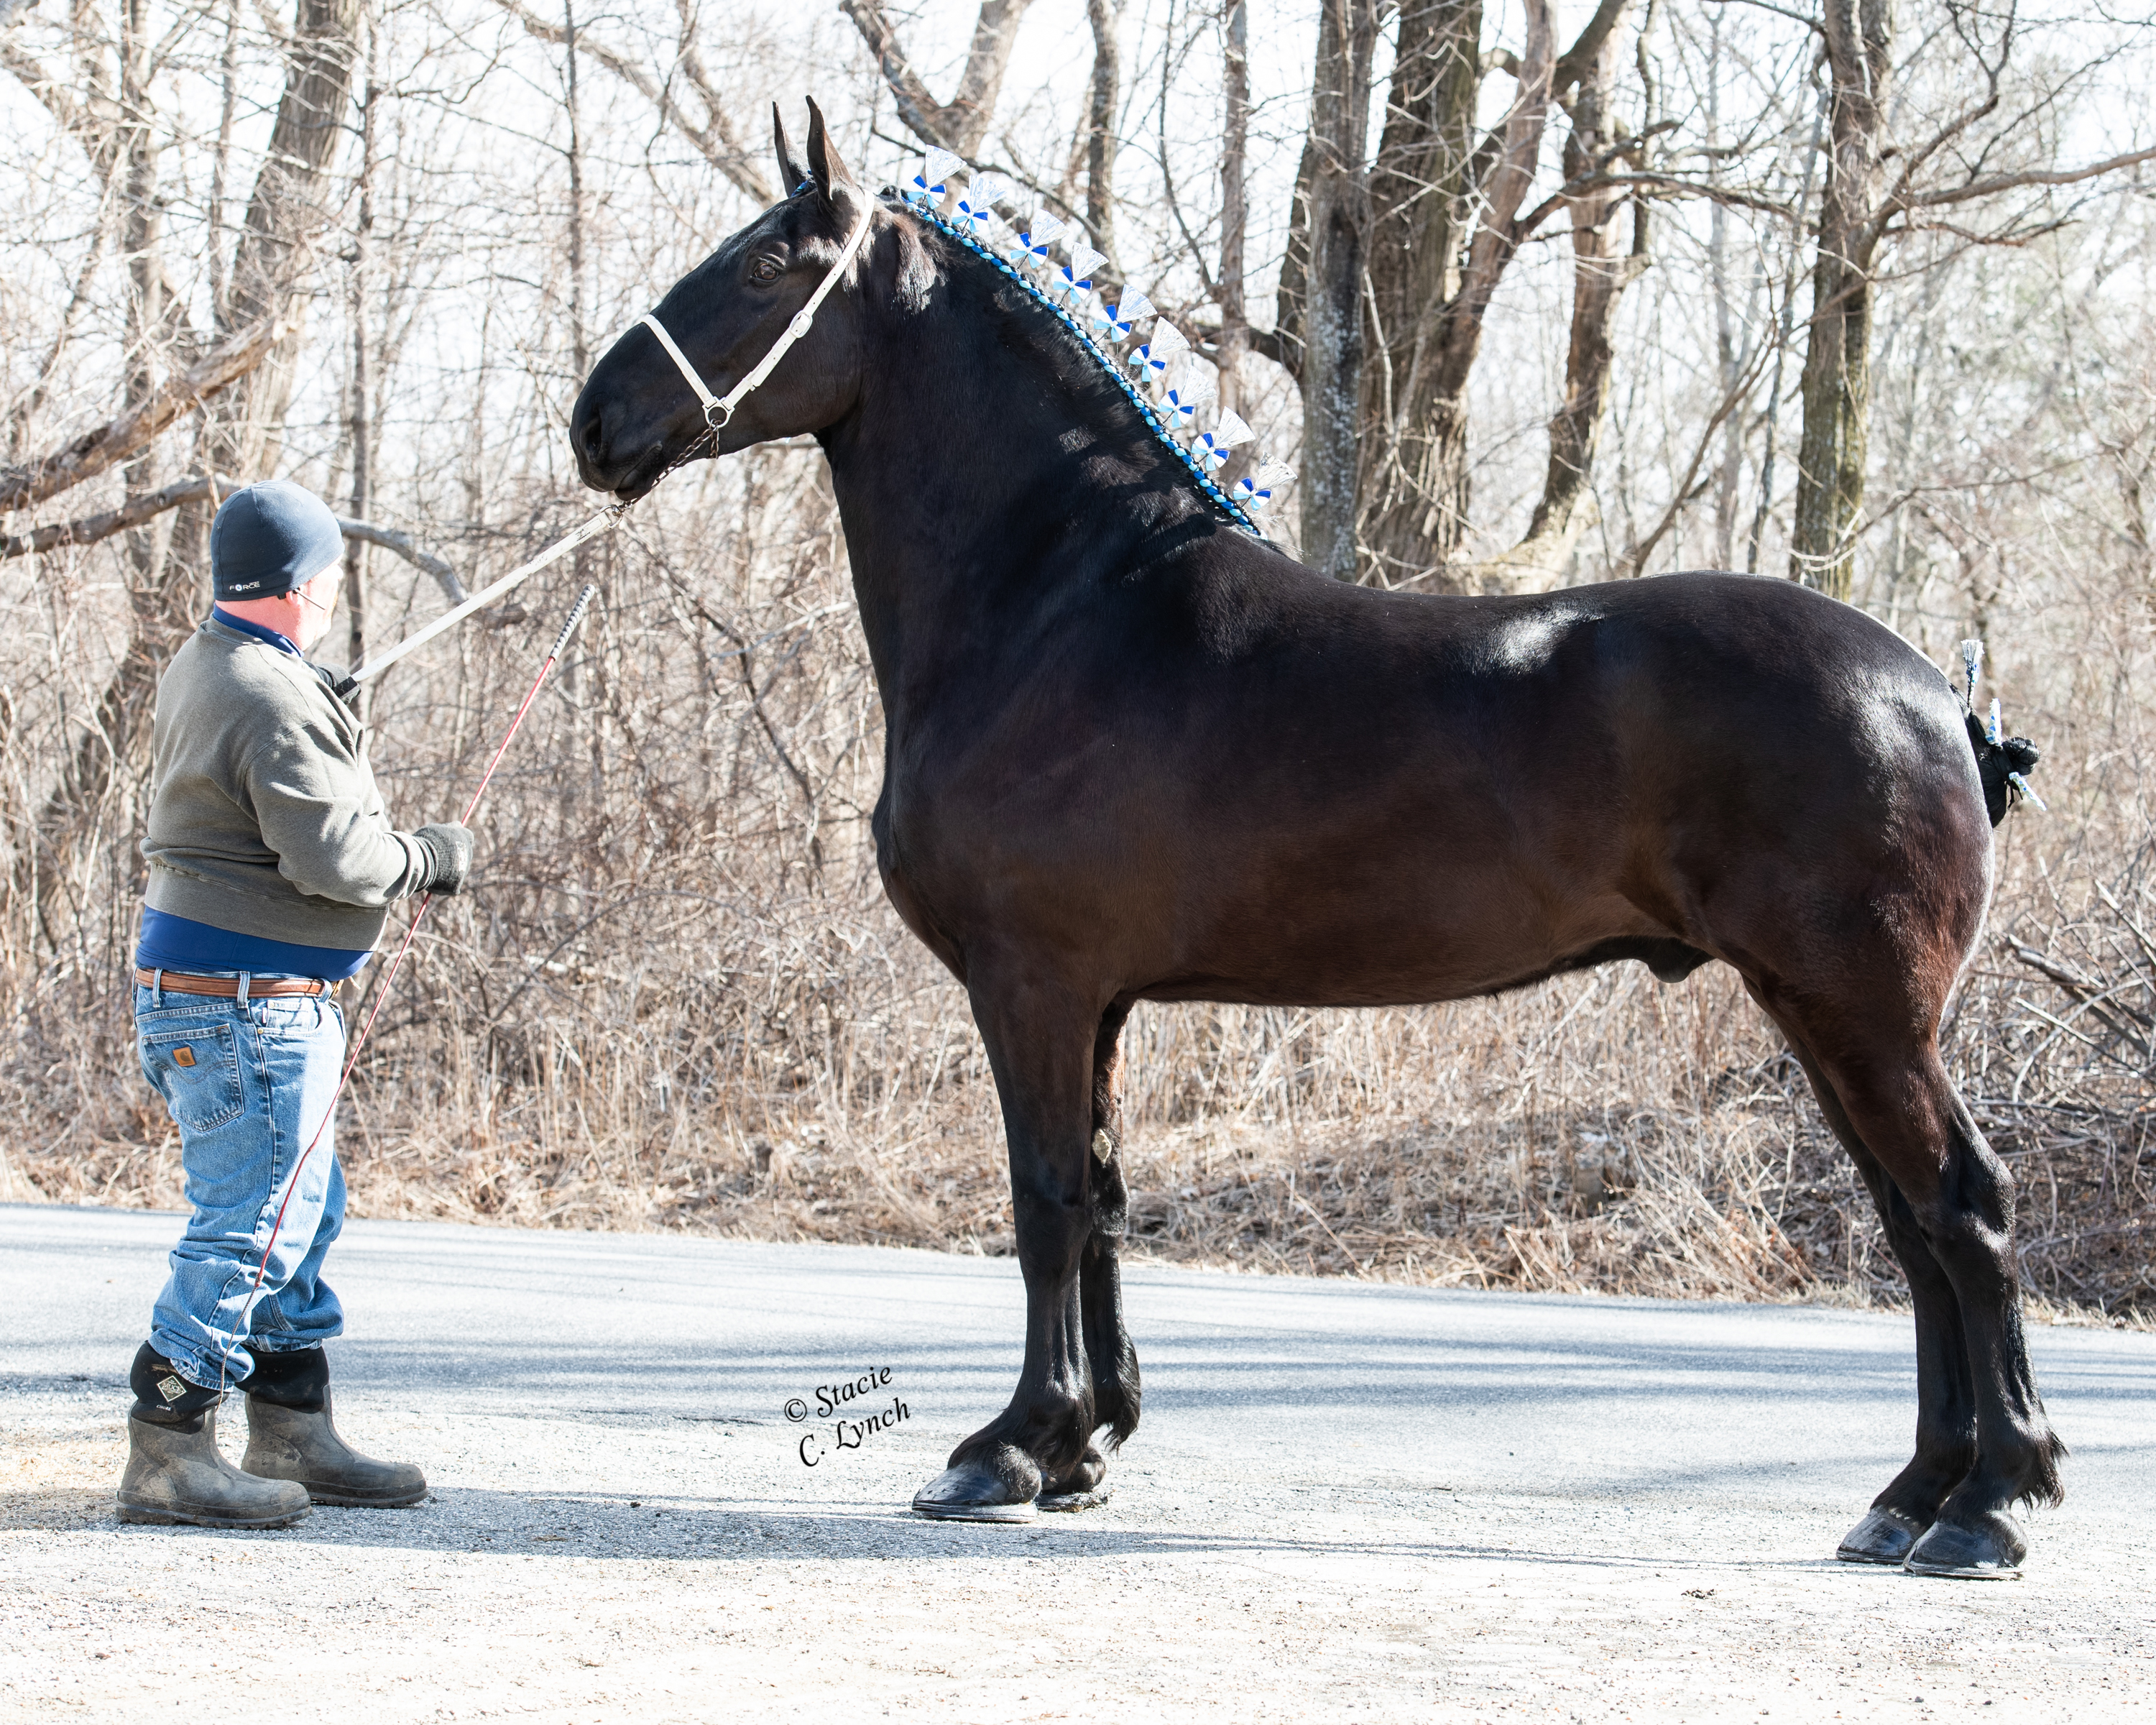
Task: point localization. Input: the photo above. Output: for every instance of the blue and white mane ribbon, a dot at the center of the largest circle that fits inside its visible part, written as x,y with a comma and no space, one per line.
1118,321
938,167
1074,281
1165,361
978,203
1219,442
1039,234
1151,360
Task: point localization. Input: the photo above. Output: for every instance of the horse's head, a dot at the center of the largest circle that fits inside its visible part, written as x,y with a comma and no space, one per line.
638,415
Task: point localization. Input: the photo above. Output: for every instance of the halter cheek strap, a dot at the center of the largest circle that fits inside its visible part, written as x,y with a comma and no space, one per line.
718,409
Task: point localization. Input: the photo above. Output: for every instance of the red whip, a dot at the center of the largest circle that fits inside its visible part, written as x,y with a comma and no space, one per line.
261,1269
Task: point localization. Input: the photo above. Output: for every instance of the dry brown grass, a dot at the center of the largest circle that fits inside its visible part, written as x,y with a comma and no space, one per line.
680,1001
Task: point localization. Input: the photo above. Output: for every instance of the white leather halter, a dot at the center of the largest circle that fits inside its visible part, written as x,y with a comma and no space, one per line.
718,410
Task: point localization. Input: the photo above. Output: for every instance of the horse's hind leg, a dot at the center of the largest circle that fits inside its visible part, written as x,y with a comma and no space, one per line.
1946,1397
1108,1350
1040,1035
1901,1107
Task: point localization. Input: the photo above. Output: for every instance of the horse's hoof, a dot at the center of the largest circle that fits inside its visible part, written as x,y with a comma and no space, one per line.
1884,1536
1063,1502
1074,1489
971,1492
1990,1552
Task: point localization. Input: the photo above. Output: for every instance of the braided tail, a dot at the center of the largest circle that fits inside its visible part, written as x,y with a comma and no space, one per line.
2002,762
2002,765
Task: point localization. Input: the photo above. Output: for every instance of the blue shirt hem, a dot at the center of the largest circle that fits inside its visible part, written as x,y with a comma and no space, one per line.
171,942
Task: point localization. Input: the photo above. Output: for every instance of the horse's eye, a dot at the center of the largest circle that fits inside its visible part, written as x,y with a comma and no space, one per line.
765,269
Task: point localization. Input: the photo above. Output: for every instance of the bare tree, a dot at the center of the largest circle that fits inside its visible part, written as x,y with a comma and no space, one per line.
1601,273
1837,376
1102,90
256,335
1235,340
1878,186
1332,214
1444,222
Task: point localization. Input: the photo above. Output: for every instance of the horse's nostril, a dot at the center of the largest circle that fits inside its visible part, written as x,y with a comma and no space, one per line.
591,438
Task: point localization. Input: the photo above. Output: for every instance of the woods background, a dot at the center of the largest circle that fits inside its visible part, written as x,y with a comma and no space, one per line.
1531,294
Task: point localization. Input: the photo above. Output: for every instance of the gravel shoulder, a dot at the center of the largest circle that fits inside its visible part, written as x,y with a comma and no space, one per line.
1346,1501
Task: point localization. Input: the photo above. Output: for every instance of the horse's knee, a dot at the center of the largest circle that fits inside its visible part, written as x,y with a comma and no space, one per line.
1051,1226
1967,1221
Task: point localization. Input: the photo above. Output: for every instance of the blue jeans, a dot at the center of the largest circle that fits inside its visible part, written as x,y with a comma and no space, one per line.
247,1083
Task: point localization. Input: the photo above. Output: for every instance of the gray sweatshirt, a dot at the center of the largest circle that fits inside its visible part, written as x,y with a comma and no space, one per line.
263,815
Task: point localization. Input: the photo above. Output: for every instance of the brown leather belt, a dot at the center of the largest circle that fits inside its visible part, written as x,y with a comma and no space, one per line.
227,987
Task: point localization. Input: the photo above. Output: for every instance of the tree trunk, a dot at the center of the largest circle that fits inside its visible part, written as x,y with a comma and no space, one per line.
1335,220
1414,507
1414,477
359,427
291,205
1836,385
88,777
1782,346
1106,18
584,731
1600,275
1234,203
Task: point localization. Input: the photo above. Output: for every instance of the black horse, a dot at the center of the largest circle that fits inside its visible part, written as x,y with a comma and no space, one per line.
1134,754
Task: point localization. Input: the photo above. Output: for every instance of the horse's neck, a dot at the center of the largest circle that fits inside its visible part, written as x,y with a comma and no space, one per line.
957,475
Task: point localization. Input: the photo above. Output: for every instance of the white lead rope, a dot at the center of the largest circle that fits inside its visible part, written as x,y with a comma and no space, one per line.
487,595
803,320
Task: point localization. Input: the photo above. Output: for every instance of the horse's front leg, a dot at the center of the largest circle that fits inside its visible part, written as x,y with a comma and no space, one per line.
1108,1350
1040,1038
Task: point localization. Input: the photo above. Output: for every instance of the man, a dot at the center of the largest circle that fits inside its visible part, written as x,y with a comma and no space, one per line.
272,865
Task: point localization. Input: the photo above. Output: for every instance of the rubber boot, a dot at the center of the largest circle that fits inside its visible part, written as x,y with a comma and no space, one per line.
290,1436
175,1474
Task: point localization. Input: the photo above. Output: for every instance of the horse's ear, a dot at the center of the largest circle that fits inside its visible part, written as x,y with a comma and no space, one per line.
826,166
792,176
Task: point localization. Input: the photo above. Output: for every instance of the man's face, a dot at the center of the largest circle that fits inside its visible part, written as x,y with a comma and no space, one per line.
317,599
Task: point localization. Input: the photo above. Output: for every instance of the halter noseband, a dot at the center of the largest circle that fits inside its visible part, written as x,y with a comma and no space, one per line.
718,410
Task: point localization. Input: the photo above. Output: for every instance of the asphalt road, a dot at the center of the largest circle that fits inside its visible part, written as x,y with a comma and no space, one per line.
1346,1501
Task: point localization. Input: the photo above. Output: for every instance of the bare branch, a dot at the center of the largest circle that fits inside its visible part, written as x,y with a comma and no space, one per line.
55,96
1809,22
89,529
1650,183
1506,188
1993,184
716,141
1573,65
389,539
1690,487
960,124
118,439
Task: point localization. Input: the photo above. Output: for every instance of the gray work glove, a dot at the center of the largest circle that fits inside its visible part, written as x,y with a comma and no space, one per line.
448,849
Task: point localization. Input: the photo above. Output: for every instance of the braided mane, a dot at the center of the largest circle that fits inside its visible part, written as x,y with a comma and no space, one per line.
1232,512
